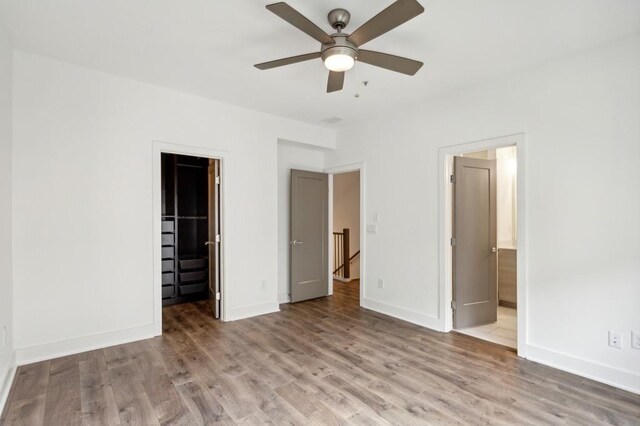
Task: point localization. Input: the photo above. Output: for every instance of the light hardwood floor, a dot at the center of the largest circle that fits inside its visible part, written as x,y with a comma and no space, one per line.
503,332
325,361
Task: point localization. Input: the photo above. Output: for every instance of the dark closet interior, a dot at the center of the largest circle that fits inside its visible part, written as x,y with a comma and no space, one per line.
185,229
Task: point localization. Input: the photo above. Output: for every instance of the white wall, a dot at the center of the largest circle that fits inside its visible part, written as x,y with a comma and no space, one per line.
6,284
580,115
290,156
346,213
83,242
506,194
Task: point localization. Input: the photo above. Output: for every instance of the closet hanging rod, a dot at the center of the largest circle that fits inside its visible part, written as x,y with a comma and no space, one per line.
190,165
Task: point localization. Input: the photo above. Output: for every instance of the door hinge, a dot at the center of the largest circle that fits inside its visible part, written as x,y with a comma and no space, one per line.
217,180
218,238
453,305
453,241
218,296
452,178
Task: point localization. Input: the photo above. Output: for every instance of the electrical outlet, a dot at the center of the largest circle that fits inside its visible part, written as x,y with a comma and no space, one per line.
635,339
615,339
264,284
372,228
4,336
380,283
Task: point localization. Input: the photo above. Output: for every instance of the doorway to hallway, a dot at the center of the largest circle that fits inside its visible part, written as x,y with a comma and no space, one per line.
345,244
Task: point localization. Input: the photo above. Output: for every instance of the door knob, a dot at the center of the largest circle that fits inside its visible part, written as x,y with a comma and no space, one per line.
296,242
494,250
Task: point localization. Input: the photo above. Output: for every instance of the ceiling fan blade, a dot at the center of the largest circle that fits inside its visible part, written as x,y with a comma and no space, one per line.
299,21
287,61
390,62
395,15
336,81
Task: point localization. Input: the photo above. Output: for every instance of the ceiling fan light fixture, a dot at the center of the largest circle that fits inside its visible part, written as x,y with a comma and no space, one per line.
339,58
339,63
340,51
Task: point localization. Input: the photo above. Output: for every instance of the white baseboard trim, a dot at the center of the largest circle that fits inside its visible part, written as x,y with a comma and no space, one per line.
252,311
48,351
623,379
428,321
284,298
6,380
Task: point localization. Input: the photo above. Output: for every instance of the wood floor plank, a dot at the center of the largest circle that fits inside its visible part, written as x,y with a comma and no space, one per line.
206,409
26,411
29,391
63,404
306,404
97,400
324,361
133,404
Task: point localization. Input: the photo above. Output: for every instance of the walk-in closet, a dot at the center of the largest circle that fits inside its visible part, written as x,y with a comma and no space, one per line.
190,230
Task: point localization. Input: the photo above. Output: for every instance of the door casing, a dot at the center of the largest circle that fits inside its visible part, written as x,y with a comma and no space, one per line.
158,149
445,169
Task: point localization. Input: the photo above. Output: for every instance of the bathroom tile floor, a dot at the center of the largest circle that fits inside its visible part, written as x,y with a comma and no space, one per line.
503,332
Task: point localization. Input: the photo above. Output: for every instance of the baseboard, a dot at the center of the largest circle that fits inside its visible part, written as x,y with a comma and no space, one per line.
6,380
284,298
506,304
428,321
48,351
623,379
252,311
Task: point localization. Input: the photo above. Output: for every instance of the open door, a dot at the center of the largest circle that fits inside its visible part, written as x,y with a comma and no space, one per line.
309,235
475,284
214,237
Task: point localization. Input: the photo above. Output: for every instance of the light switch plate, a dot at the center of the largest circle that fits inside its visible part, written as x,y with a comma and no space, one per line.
635,339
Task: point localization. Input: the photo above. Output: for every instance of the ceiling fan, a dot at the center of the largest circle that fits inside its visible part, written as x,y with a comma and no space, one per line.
339,51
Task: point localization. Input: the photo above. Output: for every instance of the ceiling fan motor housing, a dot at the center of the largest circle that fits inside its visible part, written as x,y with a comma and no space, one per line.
339,18
342,46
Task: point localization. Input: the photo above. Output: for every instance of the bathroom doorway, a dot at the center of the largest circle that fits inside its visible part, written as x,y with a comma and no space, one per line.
484,245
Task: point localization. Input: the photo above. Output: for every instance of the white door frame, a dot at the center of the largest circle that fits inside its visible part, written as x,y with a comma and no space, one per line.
445,161
160,148
354,167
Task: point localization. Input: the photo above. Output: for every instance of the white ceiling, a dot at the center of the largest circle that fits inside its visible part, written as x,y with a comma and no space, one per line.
208,47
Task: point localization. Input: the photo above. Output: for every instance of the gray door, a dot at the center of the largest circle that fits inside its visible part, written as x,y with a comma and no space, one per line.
309,235
215,295
475,284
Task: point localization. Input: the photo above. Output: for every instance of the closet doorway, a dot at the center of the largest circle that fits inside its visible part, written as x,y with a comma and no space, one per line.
191,230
